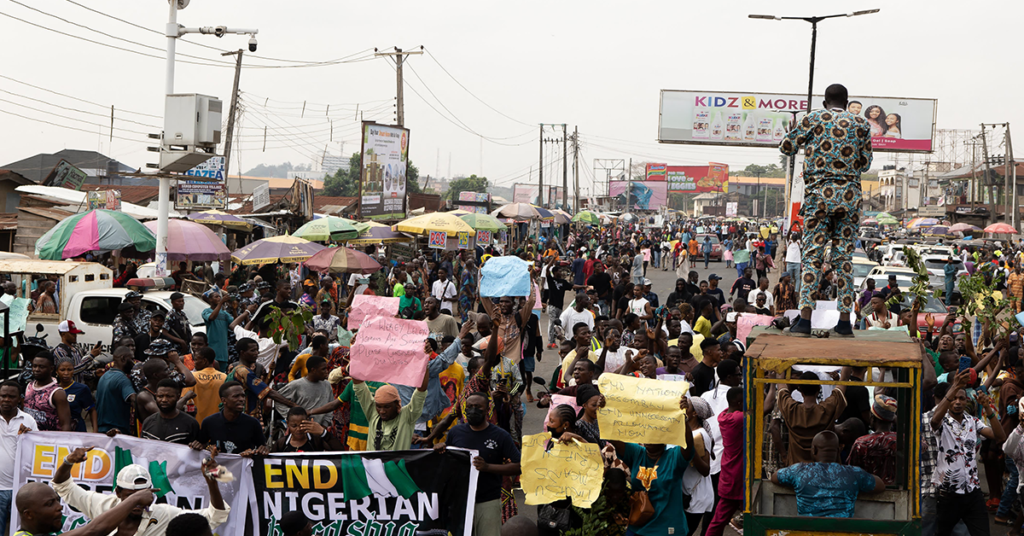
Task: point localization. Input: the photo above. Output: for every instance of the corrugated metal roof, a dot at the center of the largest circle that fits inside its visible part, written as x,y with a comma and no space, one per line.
54,214
47,267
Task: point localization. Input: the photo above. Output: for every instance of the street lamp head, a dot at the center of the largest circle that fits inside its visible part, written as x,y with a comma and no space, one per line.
864,12
767,17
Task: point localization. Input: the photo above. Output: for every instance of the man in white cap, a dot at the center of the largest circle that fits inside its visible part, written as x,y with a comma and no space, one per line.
151,521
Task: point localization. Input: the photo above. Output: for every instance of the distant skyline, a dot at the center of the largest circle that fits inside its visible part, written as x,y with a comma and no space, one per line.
598,66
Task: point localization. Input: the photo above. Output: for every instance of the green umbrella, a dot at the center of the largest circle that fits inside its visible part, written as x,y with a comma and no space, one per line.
328,228
483,222
587,216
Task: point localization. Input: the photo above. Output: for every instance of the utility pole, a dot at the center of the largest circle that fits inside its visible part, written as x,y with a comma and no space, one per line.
565,166
984,154
540,170
974,173
576,167
231,120
399,57
1011,177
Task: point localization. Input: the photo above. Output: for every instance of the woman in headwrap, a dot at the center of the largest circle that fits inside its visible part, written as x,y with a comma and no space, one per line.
588,398
699,499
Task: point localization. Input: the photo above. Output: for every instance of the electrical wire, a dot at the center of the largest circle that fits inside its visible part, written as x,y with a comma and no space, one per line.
76,98
470,92
66,126
72,118
139,26
105,116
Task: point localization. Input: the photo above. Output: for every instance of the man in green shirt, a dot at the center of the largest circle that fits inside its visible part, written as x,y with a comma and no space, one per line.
358,427
390,424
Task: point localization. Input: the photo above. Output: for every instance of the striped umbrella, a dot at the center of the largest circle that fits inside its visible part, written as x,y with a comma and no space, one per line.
377,233
922,222
276,249
216,217
327,228
545,214
188,240
94,231
561,217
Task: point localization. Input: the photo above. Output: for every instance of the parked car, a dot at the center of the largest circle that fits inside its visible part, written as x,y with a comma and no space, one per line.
716,246
934,307
880,274
861,268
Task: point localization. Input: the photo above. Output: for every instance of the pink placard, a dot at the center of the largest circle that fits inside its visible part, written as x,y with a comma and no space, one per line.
558,400
364,307
390,350
746,322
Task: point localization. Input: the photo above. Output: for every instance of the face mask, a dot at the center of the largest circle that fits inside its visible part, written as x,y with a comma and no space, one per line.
474,416
555,434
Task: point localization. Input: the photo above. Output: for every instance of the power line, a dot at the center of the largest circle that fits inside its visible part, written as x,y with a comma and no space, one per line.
65,126
471,93
141,27
75,98
72,118
105,116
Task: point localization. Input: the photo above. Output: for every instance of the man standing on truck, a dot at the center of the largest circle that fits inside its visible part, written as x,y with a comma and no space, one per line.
142,315
68,349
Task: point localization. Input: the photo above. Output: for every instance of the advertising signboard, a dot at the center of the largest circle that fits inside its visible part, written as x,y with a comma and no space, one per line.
474,202
205,194
698,179
731,208
260,196
382,181
524,193
108,200
643,195
65,175
556,195
656,172
763,119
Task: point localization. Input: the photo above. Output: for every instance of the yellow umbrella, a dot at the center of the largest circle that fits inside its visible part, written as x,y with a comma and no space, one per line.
435,221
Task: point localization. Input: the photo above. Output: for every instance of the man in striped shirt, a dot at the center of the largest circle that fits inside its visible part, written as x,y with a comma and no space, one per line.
169,424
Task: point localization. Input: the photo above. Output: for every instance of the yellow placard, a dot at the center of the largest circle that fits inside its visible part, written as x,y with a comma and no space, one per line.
575,470
640,410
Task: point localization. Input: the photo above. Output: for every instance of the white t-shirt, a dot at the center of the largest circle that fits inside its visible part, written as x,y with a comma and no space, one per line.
614,360
638,307
570,318
769,301
444,291
793,252
875,320
9,445
267,347
716,398
698,486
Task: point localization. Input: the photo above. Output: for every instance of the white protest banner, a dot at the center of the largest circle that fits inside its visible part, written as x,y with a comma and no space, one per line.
40,454
390,350
364,306
641,410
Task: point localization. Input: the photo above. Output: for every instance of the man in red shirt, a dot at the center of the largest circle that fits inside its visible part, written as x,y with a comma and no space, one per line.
876,453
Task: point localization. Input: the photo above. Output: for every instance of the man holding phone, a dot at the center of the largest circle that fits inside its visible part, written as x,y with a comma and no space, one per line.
68,350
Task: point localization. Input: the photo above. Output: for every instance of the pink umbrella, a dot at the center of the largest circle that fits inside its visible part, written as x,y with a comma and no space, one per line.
1000,228
342,260
190,241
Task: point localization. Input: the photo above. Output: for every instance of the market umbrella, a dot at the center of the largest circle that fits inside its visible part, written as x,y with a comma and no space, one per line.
460,212
545,214
868,221
964,228
377,233
885,218
342,260
1000,228
96,230
519,211
938,230
327,228
483,222
435,221
276,249
561,217
190,241
216,217
587,216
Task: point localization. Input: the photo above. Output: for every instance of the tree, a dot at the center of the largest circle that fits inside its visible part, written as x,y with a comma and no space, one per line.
346,183
471,183
771,171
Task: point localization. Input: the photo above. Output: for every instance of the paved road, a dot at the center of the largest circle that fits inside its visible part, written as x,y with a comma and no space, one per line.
663,282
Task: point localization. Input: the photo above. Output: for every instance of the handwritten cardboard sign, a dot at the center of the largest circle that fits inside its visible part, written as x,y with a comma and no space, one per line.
438,239
641,410
483,237
390,350
571,470
364,307
746,323
463,240
558,400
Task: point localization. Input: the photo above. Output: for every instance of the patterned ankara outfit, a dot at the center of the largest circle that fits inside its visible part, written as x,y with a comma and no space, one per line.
837,149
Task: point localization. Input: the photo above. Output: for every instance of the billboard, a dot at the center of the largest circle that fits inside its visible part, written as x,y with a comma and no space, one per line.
65,175
698,179
474,202
731,209
524,193
203,194
556,195
105,199
656,172
643,195
382,181
763,119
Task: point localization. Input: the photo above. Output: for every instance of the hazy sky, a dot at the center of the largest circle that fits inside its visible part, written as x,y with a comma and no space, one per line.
595,65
